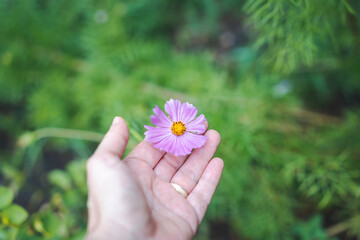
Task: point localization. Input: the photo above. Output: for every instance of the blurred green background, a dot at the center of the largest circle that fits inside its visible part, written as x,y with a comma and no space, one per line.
279,79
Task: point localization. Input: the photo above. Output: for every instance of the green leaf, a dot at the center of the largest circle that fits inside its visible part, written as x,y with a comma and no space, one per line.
325,200
16,214
6,197
39,226
74,199
60,178
79,235
77,171
349,7
54,225
3,235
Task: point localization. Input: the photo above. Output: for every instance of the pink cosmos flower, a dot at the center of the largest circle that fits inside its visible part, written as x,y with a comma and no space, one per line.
180,132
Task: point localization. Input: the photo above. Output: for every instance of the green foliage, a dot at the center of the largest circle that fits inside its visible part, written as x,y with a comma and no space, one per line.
67,199
12,215
15,214
278,79
60,179
6,197
311,229
294,31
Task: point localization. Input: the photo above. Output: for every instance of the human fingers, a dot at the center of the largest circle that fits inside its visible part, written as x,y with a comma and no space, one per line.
146,152
202,194
108,153
169,164
189,174
115,140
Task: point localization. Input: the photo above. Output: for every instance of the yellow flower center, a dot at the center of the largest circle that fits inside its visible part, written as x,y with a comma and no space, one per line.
178,128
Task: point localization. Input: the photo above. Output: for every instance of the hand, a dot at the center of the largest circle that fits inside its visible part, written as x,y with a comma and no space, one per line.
133,198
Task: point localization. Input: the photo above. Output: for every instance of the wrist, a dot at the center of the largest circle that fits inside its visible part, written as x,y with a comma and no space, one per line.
110,233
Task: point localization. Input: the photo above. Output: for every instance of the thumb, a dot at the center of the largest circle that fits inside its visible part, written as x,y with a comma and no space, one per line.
115,140
114,192
100,168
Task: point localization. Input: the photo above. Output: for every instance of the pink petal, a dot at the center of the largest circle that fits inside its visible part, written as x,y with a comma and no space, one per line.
162,136
180,146
188,112
198,128
184,148
175,146
155,135
172,108
160,122
166,143
194,140
161,119
157,129
198,121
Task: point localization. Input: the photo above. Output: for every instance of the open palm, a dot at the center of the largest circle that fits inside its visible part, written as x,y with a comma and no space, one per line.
133,198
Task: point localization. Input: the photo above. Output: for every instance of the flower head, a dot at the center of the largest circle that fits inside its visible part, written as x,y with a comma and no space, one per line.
180,132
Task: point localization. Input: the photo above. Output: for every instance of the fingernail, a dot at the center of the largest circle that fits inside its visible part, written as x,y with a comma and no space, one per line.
115,121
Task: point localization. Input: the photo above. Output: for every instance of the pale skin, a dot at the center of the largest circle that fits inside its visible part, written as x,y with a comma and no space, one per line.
133,198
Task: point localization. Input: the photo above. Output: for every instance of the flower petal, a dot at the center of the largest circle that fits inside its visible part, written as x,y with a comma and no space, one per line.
160,122
172,108
197,128
166,143
175,146
162,136
155,134
185,147
199,120
180,146
194,140
188,112
161,119
156,129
